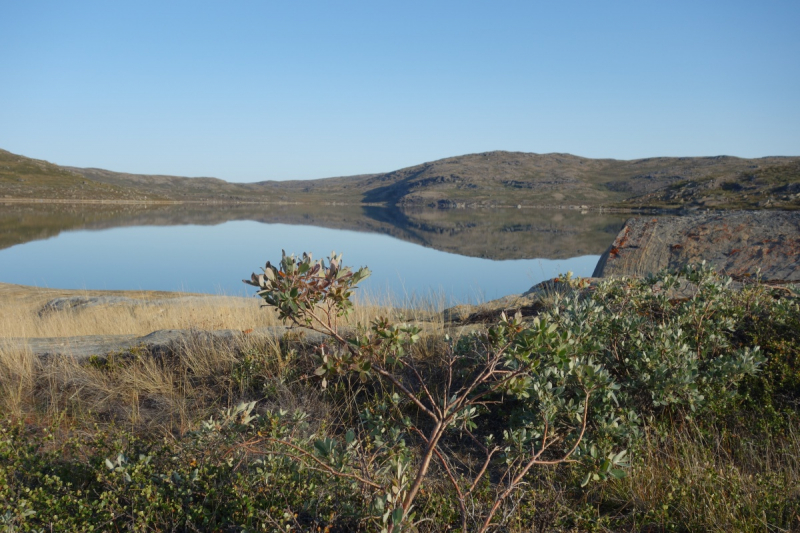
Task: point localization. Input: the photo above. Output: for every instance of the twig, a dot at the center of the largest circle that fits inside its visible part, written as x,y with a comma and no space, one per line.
325,468
461,502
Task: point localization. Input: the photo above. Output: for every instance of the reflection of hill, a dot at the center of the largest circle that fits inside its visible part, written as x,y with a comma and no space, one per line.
493,234
505,233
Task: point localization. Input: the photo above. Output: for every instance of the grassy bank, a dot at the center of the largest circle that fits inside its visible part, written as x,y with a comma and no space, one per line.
246,435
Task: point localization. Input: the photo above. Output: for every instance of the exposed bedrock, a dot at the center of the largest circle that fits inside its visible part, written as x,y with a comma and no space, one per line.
736,243
159,343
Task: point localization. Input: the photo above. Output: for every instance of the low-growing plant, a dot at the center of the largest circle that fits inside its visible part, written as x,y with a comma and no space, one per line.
569,387
669,340
392,426
557,404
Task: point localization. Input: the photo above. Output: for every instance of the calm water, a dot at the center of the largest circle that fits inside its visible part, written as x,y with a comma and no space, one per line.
214,259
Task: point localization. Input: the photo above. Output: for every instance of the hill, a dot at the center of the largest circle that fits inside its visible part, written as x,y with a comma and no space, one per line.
775,187
23,177
474,180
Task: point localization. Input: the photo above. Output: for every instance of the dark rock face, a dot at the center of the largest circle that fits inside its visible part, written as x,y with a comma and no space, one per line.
736,243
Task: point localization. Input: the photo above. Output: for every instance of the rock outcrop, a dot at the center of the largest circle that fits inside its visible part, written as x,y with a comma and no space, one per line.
737,243
80,303
158,343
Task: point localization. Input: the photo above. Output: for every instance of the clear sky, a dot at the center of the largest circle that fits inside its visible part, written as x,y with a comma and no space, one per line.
248,91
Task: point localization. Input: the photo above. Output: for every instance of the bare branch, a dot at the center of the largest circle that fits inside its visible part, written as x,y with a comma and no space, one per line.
535,460
453,481
410,395
424,387
482,471
322,467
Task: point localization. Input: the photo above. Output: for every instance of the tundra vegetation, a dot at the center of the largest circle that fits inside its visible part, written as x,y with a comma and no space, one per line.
489,179
668,403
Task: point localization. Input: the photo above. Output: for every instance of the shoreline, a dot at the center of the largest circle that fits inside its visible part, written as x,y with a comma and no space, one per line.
582,208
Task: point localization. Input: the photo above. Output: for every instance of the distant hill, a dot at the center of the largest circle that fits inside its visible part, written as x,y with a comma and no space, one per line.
509,178
475,180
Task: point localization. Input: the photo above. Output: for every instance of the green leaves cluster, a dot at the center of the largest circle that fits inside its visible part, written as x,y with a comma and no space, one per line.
298,285
556,402
416,430
573,386
670,340
207,480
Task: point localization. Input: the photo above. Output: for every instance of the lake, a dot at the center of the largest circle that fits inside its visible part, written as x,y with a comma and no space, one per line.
468,256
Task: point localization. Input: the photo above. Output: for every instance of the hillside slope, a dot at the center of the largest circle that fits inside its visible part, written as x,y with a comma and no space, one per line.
774,187
474,180
508,178
23,177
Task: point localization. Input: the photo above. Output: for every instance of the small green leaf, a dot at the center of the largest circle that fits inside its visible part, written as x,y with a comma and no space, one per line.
397,515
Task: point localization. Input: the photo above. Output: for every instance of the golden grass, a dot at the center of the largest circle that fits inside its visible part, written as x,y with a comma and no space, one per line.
171,393
140,314
146,311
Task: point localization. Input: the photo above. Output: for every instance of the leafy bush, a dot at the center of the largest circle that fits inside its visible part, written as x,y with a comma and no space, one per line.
393,427
669,340
208,480
568,388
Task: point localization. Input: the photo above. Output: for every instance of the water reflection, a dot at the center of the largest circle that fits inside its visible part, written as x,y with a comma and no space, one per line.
489,233
470,255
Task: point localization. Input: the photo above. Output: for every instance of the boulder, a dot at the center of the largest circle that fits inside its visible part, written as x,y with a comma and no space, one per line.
491,311
738,244
71,303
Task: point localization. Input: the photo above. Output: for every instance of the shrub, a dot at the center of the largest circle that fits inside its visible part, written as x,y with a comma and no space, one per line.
570,387
387,426
670,340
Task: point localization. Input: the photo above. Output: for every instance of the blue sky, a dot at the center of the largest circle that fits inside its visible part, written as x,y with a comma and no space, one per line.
248,91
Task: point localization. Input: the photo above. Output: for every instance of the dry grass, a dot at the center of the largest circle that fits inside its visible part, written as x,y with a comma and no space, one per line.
142,312
170,393
166,393
712,479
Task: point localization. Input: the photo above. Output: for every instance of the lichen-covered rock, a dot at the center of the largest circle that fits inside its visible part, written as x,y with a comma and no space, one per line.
491,311
158,343
736,243
81,303
551,287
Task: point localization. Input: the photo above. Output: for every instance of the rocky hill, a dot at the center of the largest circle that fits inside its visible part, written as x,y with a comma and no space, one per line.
23,177
475,180
772,187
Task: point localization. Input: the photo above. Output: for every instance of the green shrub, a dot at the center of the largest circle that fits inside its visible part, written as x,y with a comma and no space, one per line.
670,340
386,427
208,480
570,387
